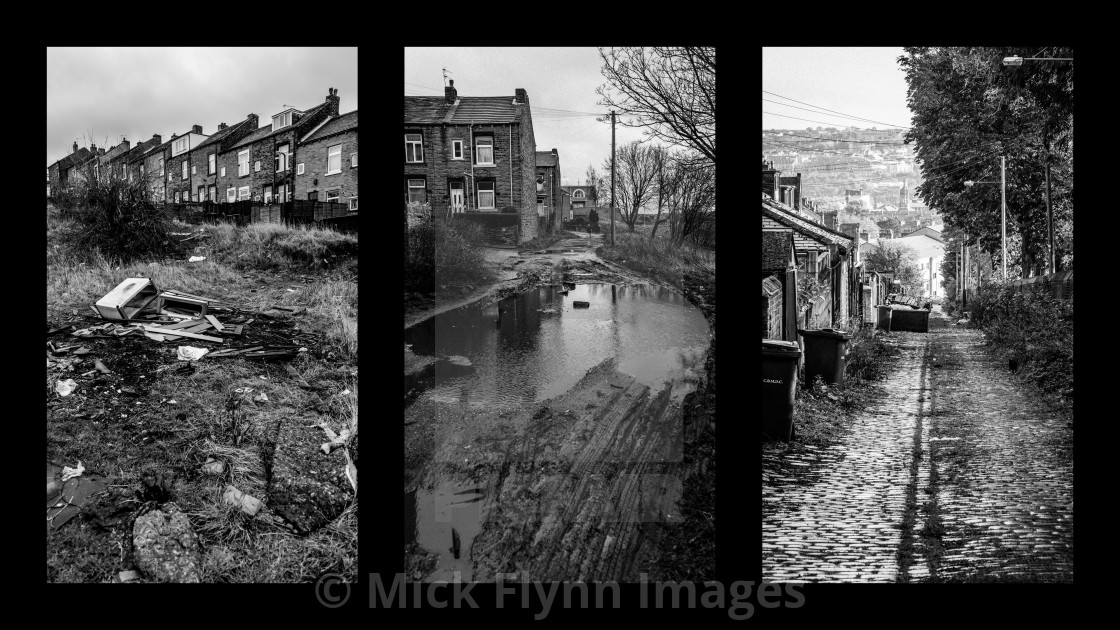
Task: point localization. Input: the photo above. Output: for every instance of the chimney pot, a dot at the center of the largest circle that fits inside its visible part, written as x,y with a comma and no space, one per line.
75,147
521,96
221,126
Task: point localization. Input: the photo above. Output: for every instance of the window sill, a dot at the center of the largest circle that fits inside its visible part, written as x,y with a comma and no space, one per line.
486,164
331,173
416,163
454,159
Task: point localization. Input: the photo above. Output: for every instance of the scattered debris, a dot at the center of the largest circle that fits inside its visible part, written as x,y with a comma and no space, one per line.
579,304
249,505
195,258
101,367
190,353
262,397
130,575
213,466
66,496
65,388
69,473
128,300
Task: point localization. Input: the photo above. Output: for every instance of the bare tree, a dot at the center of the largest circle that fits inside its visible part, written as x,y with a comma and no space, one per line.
635,179
669,91
600,187
661,161
691,195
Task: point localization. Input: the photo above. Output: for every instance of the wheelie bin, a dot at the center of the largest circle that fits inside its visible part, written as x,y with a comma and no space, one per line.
916,320
884,321
779,387
824,354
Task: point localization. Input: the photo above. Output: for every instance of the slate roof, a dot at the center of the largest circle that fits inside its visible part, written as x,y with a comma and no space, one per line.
479,110
336,124
546,158
139,151
775,250
784,214
81,155
265,131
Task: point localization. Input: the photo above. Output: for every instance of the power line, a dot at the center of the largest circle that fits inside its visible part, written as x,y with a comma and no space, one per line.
831,124
827,110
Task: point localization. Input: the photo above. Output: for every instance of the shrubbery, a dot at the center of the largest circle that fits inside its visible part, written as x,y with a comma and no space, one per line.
119,220
1034,329
444,251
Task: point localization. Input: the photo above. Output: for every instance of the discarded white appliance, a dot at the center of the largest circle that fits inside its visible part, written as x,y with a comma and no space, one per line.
131,298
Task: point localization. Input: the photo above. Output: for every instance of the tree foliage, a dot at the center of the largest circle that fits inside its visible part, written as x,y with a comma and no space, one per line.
969,109
671,92
897,259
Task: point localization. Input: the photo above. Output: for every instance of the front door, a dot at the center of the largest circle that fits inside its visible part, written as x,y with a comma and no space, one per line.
457,197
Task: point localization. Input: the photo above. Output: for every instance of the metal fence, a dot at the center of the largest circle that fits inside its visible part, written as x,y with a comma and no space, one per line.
1060,284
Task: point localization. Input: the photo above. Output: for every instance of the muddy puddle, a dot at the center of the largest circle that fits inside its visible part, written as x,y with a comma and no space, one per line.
445,521
536,345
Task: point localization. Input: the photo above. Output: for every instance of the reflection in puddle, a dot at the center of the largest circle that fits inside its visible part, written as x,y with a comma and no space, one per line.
446,521
536,345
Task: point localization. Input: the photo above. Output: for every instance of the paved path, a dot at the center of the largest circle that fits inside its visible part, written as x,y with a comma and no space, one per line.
983,470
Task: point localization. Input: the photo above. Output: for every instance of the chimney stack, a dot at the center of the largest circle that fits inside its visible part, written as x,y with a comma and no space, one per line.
92,148
253,122
450,93
197,129
521,97
222,126
173,136
332,98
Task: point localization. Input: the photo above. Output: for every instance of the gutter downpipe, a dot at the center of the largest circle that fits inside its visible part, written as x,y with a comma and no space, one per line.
470,133
511,176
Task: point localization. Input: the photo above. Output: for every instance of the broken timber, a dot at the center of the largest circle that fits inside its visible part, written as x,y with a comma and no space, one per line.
183,333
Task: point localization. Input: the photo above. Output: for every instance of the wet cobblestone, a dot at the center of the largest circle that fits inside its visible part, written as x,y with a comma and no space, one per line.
987,470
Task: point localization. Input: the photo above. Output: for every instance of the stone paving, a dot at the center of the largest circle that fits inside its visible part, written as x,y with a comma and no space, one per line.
978,461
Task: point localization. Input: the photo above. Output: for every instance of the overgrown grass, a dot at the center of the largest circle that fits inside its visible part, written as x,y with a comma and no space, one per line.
659,259
1033,329
445,252
274,246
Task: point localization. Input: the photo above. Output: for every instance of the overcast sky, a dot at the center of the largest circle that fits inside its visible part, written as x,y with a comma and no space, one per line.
554,78
99,95
861,82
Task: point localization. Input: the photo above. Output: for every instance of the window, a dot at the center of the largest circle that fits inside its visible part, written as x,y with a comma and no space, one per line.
243,163
413,147
231,194
353,203
279,121
334,159
332,195
416,190
282,193
213,193
353,160
578,194
194,170
484,150
485,195
456,150
184,169
223,171
161,167
268,194
176,196
180,145
299,168
141,171
201,193
210,164
243,193
313,195
257,166
282,158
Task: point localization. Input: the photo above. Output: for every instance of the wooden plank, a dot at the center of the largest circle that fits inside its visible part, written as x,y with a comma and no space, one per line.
198,327
217,324
186,323
182,333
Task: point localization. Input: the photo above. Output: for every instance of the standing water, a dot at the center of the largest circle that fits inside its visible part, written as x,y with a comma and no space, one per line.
538,344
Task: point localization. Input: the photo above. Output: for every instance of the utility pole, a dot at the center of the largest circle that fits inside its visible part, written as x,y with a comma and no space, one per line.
1053,259
611,210
1003,218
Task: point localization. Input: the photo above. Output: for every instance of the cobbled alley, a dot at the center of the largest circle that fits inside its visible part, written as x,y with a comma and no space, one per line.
958,474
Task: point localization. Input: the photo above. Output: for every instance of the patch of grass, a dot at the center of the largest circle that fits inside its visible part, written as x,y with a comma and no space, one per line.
445,252
658,259
275,246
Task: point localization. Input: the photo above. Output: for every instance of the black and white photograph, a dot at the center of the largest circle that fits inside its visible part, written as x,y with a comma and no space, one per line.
202,315
559,305
917,296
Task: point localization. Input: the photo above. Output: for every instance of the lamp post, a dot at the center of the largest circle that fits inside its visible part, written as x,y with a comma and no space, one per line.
1003,214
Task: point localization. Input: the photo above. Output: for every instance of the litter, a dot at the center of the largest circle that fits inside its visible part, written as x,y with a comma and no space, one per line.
101,367
578,304
262,398
182,333
190,353
69,473
213,466
128,576
128,300
69,495
249,505
65,388
217,325
196,259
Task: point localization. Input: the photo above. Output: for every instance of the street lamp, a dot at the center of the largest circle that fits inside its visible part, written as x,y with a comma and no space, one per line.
1003,215
1018,61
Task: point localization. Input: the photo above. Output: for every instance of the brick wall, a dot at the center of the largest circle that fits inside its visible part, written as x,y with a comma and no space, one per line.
438,167
313,156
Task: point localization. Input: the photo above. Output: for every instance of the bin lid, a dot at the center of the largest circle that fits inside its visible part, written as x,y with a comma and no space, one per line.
777,345
825,332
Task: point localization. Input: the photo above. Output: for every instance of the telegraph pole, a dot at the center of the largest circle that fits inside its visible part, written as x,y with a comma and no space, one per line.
611,210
